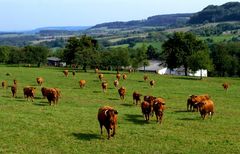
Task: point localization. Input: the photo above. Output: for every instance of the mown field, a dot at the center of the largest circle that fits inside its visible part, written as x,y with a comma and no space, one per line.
72,126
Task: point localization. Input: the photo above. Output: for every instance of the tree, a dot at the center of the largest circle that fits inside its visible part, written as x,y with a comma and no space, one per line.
139,57
35,54
200,60
226,58
152,53
119,58
4,53
179,47
81,51
71,48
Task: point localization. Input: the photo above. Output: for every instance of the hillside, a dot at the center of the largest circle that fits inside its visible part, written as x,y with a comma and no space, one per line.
154,21
212,13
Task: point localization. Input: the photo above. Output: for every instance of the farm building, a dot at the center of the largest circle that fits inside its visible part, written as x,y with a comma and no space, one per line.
55,61
160,68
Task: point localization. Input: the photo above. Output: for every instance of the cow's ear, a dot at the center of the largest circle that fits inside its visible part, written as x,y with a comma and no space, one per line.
115,112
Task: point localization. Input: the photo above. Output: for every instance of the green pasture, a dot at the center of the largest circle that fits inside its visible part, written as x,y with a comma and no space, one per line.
72,126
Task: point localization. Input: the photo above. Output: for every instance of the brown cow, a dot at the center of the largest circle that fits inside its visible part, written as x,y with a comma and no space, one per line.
44,92
116,83
206,107
225,86
150,100
118,76
104,86
122,92
96,70
100,76
82,83
53,95
158,107
73,73
107,117
145,77
39,80
65,72
29,92
193,100
136,97
15,81
4,84
14,90
146,109
130,70
124,76
152,83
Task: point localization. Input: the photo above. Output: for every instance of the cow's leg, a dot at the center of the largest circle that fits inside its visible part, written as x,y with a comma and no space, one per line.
101,128
108,131
113,133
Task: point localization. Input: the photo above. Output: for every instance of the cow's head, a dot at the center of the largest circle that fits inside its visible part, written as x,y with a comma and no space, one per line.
111,117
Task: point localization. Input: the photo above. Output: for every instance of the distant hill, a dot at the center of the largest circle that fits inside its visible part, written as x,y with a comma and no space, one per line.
154,21
227,12
60,28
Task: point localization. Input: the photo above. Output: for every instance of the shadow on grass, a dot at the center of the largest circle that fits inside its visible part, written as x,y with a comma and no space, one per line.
86,136
187,119
96,92
141,81
38,97
136,119
181,111
113,99
97,81
186,78
41,104
127,104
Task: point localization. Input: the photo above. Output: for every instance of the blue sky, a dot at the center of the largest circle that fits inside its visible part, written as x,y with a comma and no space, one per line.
29,14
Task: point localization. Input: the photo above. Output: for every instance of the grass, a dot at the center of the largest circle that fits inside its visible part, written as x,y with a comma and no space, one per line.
72,126
220,38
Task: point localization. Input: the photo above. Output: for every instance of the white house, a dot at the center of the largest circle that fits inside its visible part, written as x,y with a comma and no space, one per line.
160,68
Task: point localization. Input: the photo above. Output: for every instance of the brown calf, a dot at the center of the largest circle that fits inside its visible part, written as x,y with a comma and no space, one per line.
116,83
82,83
39,80
158,107
136,97
104,86
14,90
193,100
100,76
124,76
4,84
225,86
206,107
122,92
152,83
29,92
65,72
118,76
107,117
150,100
145,77
146,109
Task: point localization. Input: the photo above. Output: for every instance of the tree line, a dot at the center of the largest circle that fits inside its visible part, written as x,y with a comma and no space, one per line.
179,50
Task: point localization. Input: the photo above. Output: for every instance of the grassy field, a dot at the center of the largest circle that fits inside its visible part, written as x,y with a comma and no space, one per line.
72,126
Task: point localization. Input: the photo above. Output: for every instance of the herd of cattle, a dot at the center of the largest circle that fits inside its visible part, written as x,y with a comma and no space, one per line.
52,94
107,116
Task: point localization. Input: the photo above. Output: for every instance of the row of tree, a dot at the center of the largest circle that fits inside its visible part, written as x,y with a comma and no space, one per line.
180,50
25,55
